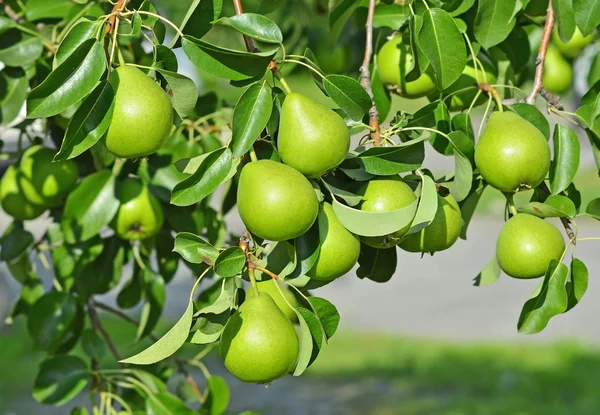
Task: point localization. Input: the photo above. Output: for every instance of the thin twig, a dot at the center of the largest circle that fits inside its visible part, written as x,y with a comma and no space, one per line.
12,14
541,58
119,5
239,10
97,326
365,77
565,221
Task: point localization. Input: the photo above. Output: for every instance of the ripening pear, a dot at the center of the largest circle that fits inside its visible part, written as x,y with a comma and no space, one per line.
512,154
394,63
574,46
280,297
142,116
385,194
441,233
12,198
339,248
275,201
140,214
558,73
526,245
312,138
259,344
468,82
45,182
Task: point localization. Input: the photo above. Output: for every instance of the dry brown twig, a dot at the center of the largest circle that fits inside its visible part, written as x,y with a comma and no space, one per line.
365,77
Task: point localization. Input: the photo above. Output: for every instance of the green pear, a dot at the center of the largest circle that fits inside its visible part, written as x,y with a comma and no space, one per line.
43,181
142,116
574,46
339,248
594,73
441,233
12,199
140,214
312,138
394,63
512,154
467,82
385,194
270,287
334,60
537,8
558,73
259,344
526,245
275,201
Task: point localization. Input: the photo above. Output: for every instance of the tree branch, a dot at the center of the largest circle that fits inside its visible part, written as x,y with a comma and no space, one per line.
541,58
97,326
119,5
249,43
365,77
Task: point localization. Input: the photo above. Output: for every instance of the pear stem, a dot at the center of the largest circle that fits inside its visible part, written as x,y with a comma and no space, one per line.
284,85
253,154
120,57
365,76
511,204
253,281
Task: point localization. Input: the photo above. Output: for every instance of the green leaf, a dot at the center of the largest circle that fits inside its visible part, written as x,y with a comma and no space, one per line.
587,15
164,403
154,300
555,206
463,170
378,265
104,273
209,327
218,298
90,207
213,171
182,91
566,158
306,345
593,208
441,41
199,18
316,331
71,81
81,31
388,161
131,293
32,290
226,63
534,116
494,21
577,283
194,249
13,92
60,379
489,274
93,345
43,9
348,94
351,199
167,344
469,205
549,299
218,395
6,23
255,26
328,315
565,18
19,49
89,123
428,204
14,242
374,223
339,13
250,117
390,15
230,262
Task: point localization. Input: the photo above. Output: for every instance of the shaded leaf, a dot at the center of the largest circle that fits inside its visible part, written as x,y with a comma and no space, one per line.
250,116
194,249
348,94
378,265
60,379
230,262
566,158
256,26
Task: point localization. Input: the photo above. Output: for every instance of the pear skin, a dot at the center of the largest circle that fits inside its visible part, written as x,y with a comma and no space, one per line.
558,73
259,344
12,198
275,201
511,153
140,214
270,287
142,116
312,138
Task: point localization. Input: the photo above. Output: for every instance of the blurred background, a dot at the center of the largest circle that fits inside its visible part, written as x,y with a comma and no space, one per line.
428,341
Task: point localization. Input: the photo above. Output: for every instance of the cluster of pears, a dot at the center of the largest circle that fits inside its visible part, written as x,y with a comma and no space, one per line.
36,183
142,116
558,71
513,155
395,61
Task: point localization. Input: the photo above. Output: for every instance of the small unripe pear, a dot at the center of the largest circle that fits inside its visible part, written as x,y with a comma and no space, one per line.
385,194
339,248
467,83
512,154
441,233
13,200
312,138
558,73
275,201
526,245
142,116
140,214
259,344
394,63
574,46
